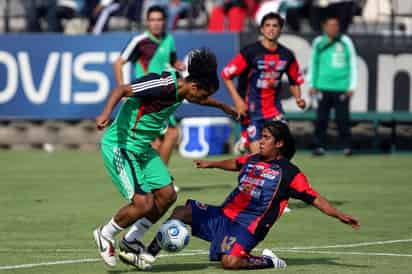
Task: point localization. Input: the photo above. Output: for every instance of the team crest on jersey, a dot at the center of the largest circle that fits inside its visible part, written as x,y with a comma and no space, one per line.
281,65
270,174
201,206
251,131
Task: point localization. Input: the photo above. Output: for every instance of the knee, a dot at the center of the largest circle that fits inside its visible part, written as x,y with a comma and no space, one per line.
166,197
231,262
183,213
171,196
144,204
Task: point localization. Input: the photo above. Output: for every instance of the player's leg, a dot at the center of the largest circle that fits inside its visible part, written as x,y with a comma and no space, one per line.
343,121
200,217
146,257
233,246
163,199
125,173
267,260
160,182
321,123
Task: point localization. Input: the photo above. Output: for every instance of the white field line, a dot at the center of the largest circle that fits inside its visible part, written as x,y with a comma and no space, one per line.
345,253
348,245
8,267
74,250
204,252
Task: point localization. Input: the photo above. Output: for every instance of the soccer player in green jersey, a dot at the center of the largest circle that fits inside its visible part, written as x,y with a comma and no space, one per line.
153,50
135,167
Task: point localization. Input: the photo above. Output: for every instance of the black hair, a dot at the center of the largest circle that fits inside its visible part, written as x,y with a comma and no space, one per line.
273,15
202,67
280,131
156,8
330,17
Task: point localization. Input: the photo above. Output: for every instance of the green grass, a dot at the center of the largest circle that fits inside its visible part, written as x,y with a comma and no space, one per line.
49,204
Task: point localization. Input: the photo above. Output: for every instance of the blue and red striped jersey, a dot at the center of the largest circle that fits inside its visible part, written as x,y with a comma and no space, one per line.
264,68
263,192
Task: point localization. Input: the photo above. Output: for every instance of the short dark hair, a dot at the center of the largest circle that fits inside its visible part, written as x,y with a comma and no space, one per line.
156,8
330,17
280,131
202,67
273,15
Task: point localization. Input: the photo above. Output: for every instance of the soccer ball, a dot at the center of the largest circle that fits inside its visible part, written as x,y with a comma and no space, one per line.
172,236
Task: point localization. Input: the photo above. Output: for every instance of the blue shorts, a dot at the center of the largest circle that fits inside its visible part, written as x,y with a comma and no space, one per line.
254,129
225,237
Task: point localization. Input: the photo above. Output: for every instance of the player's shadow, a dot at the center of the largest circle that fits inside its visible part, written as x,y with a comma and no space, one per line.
300,205
321,261
196,188
177,267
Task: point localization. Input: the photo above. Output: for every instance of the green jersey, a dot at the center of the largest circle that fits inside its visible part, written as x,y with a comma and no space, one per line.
140,120
333,64
149,54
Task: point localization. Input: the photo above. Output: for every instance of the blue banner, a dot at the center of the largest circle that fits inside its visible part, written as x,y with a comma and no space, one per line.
49,76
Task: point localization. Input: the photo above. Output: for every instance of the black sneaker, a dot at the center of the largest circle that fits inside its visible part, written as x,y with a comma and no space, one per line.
130,251
319,151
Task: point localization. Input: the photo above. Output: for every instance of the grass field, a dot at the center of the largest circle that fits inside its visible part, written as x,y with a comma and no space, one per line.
50,203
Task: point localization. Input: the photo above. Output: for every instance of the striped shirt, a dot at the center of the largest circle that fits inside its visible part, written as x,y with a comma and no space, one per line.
263,192
141,118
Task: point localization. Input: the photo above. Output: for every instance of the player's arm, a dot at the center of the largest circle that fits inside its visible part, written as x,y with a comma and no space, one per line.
117,68
235,68
129,53
174,62
323,205
220,105
230,164
116,95
302,190
297,93
295,80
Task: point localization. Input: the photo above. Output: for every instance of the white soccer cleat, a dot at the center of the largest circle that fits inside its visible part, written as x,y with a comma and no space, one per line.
145,261
106,247
277,262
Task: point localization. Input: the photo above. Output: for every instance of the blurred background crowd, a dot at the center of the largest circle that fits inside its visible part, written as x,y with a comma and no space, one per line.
97,16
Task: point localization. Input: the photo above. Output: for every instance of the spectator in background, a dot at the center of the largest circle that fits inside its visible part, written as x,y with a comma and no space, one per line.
266,6
344,10
53,11
294,13
174,10
264,62
153,52
106,8
332,75
231,13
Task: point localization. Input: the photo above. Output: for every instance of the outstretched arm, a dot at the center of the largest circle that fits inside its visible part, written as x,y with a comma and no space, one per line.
239,102
103,119
323,205
224,107
229,164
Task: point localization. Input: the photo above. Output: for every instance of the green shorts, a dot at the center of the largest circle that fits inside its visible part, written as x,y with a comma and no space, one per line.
135,173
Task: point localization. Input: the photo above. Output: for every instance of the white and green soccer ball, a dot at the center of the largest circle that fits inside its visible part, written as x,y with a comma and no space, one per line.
173,236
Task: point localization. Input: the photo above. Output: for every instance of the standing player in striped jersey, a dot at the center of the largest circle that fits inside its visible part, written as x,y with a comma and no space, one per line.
153,51
266,182
264,62
134,166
